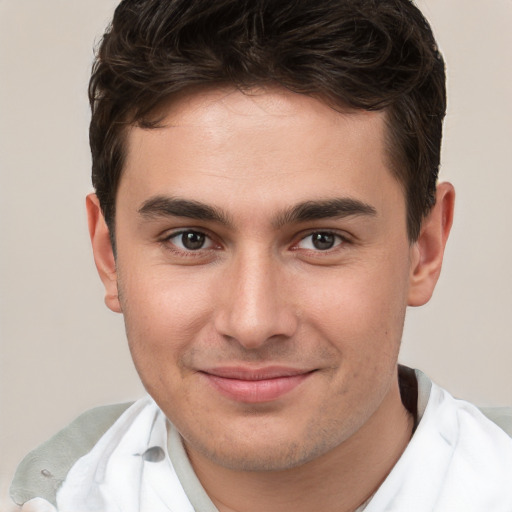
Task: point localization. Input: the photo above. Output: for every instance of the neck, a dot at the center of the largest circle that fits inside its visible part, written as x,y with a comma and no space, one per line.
338,481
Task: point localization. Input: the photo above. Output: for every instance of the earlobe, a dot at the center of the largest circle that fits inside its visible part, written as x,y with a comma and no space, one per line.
103,252
427,252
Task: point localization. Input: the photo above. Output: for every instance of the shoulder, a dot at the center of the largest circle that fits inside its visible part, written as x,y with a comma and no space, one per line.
43,470
501,416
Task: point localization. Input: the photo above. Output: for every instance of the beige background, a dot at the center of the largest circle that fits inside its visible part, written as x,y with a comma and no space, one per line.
62,351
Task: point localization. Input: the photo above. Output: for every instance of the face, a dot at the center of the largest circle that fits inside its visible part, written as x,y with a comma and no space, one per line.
263,270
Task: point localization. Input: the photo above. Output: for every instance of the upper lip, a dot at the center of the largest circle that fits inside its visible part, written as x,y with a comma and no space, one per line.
262,373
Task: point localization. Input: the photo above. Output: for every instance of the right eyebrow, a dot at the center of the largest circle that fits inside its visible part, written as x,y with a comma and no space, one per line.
163,206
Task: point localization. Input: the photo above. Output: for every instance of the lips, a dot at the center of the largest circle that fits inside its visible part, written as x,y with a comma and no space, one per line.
255,385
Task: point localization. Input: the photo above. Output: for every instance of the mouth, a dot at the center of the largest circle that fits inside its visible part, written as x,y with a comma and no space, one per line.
255,385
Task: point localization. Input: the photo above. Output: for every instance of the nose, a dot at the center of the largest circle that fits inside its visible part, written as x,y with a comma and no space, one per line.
254,306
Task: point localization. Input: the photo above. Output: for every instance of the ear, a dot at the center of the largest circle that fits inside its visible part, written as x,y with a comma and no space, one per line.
103,252
427,252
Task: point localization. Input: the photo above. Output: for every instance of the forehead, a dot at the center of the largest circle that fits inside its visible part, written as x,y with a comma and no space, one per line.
258,109
248,144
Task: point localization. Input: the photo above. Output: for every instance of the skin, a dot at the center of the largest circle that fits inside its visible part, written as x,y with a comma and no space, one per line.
261,296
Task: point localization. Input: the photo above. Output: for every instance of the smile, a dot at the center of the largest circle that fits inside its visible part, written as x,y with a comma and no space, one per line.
255,386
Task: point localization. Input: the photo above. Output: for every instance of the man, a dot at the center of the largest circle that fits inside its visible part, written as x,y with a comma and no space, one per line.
266,208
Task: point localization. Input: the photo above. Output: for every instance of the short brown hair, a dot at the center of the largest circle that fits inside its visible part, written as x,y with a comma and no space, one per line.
365,54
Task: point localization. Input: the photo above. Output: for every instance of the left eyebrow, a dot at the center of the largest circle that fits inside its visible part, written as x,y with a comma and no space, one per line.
324,209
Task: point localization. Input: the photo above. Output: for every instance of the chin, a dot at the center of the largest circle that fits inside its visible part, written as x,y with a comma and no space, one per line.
263,453
271,459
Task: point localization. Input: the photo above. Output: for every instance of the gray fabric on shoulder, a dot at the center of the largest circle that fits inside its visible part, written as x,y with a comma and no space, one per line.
42,471
502,416
424,388
186,474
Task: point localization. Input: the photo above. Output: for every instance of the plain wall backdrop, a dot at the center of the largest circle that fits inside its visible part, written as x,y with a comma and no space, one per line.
62,351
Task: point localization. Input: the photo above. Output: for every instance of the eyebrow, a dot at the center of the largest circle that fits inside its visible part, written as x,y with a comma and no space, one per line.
163,206
337,208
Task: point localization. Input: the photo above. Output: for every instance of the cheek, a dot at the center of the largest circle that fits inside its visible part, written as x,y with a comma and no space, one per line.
162,313
360,306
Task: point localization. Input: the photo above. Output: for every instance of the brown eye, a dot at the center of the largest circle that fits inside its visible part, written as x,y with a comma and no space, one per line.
320,241
193,240
190,240
323,241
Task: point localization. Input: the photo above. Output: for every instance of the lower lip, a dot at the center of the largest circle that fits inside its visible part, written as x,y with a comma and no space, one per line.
256,391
